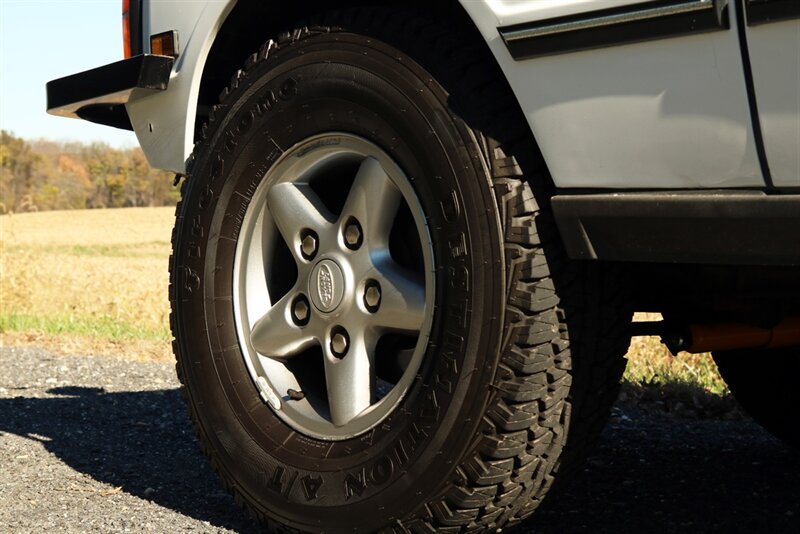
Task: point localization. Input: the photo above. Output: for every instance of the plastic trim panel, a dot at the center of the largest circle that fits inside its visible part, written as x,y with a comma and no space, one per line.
722,227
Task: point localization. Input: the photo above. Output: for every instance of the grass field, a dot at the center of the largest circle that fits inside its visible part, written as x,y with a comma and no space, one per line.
95,281
88,280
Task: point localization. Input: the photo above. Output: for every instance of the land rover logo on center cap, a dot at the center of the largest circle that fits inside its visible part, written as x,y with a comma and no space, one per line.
326,285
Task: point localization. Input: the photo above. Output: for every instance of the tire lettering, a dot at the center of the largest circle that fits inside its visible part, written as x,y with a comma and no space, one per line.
400,453
450,208
276,482
205,198
369,437
268,99
245,123
289,89
458,312
416,435
239,218
382,471
191,282
355,484
197,226
429,413
311,486
266,103
459,277
230,141
453,344
458,246
217,168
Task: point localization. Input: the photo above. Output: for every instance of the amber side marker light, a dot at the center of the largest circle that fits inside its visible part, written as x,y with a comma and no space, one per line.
164,44
126,27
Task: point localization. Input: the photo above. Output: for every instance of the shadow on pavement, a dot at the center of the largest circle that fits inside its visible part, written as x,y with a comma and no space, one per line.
662,474
141,441
648,474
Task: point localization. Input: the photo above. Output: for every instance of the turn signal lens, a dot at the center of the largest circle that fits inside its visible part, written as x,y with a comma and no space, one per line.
126,27
164,44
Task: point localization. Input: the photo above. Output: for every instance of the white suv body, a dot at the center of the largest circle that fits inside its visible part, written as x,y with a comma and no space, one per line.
679,112
382,312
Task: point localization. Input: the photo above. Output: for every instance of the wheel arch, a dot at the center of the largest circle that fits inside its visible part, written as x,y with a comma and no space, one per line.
251,22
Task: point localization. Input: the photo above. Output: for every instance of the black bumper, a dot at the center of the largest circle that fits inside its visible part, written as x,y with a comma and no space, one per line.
722,227
99,95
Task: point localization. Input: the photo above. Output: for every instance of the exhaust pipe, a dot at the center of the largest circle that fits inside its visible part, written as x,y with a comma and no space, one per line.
731,336
720,337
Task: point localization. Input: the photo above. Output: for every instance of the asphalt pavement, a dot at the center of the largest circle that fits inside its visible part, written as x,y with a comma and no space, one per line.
99,444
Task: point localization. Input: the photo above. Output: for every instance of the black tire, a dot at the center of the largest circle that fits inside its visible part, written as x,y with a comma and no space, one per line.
771,402
526,349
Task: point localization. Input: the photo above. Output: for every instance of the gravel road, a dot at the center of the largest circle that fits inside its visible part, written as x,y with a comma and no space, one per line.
96,444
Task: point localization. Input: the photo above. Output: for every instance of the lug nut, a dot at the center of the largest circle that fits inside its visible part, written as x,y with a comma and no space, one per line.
308,246
300,311
372,296
339,343
353,237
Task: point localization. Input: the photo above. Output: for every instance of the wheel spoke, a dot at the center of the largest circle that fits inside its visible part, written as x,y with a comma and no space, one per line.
402,306
373,200
294,207
349,382
276,336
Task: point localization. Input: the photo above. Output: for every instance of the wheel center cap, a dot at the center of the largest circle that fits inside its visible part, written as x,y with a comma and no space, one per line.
326,285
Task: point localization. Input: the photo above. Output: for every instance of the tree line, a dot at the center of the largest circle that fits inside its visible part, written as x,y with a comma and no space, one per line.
46,175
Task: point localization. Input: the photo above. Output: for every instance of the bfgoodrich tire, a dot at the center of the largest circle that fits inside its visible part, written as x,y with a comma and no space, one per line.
771,401
481,361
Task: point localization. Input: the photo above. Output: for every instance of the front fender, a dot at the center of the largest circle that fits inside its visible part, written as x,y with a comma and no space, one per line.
164,123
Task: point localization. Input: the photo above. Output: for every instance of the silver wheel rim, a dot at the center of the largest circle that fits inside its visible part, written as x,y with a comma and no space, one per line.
367,313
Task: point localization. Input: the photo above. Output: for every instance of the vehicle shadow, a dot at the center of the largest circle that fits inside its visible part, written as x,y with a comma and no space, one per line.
649,473
664,473
141,441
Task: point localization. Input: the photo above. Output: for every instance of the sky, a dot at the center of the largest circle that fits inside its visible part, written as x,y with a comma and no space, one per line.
41,40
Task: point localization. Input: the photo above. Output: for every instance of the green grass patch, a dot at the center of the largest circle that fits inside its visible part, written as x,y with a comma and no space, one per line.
104,327
690,371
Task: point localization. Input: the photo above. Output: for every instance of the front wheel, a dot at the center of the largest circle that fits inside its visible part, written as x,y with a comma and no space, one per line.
374,321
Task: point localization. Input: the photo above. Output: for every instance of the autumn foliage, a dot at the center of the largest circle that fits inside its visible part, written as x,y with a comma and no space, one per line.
45,175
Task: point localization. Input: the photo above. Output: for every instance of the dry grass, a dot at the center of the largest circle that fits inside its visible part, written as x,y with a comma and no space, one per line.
688,385
76,279
95,281
651,363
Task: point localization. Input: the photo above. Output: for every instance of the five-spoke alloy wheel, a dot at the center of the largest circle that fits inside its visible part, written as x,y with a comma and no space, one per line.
350,290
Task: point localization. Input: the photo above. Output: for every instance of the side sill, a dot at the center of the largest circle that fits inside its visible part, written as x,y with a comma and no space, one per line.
615,26
99,95
708,227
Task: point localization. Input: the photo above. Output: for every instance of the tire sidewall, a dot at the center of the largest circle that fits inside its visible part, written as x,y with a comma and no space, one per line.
394,103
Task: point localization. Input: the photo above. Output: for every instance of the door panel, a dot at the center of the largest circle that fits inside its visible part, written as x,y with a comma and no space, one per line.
774,44
630,108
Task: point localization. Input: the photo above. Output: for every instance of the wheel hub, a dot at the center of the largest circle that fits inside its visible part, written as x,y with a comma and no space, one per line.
326,286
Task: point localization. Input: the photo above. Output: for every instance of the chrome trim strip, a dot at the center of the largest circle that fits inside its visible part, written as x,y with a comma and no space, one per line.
611,20
644,21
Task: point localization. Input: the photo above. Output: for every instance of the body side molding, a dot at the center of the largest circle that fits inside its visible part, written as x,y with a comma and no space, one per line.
766,11
615,26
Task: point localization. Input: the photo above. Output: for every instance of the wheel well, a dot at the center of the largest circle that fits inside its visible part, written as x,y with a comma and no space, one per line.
252,22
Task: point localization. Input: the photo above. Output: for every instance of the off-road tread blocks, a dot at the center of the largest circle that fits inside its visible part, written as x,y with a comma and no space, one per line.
541,414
